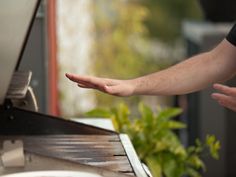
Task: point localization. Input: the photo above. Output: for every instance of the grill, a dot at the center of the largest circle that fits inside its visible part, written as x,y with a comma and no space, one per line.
65,144
31,141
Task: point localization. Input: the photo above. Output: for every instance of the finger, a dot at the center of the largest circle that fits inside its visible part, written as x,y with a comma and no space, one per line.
78,78
220,96
89,81
224,100
103,84
226,105
85,86
101,87
81,83
231,91
88,85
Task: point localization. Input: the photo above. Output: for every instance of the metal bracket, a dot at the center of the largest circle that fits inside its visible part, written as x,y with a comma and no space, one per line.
13,154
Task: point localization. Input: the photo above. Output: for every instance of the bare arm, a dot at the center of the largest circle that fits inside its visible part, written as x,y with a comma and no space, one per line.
190,75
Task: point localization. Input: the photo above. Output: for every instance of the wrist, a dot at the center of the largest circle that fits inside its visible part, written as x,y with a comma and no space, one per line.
135,86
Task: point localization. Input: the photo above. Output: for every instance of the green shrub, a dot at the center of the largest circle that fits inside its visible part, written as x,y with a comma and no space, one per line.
156,143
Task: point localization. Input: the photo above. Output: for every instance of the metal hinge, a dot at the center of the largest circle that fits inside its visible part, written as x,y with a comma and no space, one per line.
12,154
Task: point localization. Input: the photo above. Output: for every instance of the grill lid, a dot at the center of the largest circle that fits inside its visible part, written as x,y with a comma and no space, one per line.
16,19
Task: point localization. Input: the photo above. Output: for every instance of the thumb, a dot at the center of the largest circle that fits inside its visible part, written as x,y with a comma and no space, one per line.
113,90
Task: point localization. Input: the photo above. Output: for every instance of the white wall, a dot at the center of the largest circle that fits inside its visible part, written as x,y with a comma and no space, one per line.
75,31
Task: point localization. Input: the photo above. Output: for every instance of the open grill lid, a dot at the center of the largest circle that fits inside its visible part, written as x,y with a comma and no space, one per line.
16,18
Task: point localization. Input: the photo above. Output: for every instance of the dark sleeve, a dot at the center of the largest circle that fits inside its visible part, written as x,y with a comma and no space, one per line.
231,37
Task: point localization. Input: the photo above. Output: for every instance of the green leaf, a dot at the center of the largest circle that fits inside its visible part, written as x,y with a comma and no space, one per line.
192,172
172,167
169,113
123,113
122,117
196,162
175,125
102,113
146,113
116,124
214,146
154,166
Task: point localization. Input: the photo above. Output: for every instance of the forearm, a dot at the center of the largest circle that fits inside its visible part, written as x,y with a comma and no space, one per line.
191,75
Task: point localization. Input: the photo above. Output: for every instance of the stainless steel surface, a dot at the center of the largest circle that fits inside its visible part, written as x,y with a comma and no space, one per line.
133,158
147,170
15,18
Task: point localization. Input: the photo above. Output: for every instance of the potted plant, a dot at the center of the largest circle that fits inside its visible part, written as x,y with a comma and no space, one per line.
156,143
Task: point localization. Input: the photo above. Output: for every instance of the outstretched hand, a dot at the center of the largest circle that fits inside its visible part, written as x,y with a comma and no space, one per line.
227,97
109,86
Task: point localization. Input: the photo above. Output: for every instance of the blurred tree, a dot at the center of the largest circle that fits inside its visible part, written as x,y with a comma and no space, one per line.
166,16
119,26
124,29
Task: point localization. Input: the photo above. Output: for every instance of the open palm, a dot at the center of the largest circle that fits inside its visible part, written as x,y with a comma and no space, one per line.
109,86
